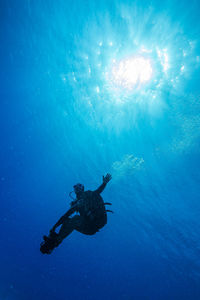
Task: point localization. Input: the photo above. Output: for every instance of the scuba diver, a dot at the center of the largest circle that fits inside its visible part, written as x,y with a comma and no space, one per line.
90,218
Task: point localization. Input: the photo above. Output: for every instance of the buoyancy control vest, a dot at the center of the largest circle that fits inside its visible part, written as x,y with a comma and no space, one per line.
92,207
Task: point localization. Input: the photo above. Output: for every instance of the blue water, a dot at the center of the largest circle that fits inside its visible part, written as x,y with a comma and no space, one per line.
64,119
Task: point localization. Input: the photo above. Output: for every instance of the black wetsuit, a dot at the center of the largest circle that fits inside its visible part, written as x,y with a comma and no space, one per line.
92,217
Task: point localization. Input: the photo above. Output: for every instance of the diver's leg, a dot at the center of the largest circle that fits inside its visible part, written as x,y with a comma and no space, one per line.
67,227
84,227
77,223
54,239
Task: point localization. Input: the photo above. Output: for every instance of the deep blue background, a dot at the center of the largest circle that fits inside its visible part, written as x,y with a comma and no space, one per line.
57,130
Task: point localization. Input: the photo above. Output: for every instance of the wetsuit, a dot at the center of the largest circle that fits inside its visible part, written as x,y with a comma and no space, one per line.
92,216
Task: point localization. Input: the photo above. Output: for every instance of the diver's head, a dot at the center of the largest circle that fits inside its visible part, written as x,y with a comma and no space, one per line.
78,188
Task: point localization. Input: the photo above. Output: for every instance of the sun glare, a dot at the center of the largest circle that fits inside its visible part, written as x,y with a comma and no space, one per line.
132,72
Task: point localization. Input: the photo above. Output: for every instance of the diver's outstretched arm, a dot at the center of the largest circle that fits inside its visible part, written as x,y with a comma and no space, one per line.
63,218
106,179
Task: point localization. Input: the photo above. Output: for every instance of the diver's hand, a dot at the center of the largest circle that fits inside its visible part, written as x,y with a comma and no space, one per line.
107,178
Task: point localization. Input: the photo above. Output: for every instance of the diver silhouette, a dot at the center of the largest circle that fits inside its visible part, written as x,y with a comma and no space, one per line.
91,217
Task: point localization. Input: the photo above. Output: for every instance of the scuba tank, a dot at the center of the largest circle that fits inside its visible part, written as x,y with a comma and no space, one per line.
75,201
92,207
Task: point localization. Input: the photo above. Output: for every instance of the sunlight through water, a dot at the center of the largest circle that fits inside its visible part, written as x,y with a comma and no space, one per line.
130,67
131,72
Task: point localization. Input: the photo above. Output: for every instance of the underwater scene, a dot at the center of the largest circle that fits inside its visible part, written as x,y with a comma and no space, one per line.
100,150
